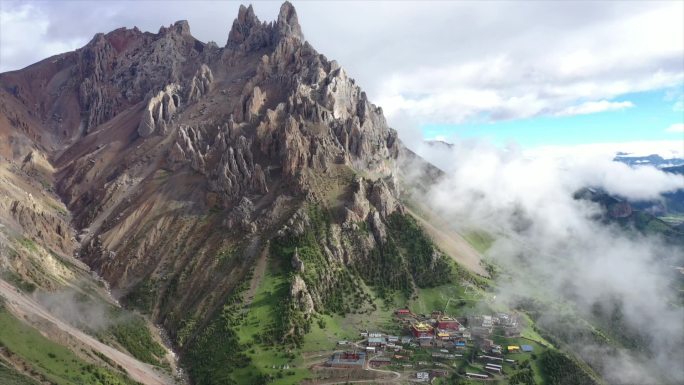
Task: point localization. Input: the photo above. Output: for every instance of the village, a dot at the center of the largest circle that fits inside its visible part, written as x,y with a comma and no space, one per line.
437,345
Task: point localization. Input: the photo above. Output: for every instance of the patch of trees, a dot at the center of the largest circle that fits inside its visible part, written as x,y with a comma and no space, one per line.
217,352
524,376
559,369
427,265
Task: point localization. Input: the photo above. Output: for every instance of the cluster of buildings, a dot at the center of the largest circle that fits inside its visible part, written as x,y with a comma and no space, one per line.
348,360
483,325
437,330
445,336
379,341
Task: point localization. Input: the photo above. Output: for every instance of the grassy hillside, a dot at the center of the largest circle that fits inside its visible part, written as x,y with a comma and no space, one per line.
49,360
9,376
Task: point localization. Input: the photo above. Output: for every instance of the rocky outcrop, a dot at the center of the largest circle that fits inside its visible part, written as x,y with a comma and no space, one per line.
159,111
224,156
233,145
95,97
51,230
383,199
300,295
200,84
255,103
359,207
249,34
240,217
297,263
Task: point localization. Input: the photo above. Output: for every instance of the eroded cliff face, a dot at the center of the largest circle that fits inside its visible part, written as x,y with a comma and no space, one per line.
180,161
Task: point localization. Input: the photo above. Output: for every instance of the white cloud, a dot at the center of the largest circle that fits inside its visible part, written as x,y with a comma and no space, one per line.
543,232
675,128
594,107
24,37
667,149
435,61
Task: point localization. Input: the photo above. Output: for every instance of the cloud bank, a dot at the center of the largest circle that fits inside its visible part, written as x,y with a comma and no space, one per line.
554,248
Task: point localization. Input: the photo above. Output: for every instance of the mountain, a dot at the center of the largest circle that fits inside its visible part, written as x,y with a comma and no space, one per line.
654,160
172,211
637,215
190,177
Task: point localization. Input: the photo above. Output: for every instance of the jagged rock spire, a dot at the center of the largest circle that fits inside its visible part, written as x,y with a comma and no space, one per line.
288,23
243,26
248,33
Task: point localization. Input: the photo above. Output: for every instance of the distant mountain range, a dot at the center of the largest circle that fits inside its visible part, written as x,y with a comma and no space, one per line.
650,160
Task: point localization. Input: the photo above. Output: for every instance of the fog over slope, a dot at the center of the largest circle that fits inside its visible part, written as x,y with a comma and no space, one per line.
555,248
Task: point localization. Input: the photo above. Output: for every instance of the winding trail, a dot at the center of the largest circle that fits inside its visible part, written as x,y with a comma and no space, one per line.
24,306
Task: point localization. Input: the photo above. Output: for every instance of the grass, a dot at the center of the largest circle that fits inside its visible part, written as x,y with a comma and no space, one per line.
17,281
28,244
9,376
532,357
55,362
261,318
135,336
479,240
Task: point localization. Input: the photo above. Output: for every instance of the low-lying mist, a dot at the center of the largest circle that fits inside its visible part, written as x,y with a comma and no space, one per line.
552,247
79,310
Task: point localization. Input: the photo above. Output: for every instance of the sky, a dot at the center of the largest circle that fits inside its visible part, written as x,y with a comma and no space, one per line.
533,73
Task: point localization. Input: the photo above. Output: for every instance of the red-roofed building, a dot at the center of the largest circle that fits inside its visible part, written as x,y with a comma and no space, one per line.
448,323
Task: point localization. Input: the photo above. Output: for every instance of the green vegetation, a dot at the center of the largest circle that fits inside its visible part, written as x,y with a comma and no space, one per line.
254,345
217,352
143,296
17,281
53,361
134,335
524,376
559,369
479,240
428,266
9,376
28,244
336,287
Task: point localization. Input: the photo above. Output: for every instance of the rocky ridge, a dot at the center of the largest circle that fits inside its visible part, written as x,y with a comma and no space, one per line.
180,161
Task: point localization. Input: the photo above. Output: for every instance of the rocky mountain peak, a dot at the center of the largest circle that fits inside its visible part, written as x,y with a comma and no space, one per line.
248,33
288,23
245,27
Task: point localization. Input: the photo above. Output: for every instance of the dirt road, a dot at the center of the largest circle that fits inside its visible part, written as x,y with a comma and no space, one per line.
24,306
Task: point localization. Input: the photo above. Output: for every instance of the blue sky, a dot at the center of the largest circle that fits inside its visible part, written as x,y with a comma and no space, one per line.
649,118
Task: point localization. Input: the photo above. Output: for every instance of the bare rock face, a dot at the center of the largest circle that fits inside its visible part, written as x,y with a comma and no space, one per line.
382,198
359,207
160,111
377,227
240,217
300,294
233,144
117,70
288,23
249,34
255,102
200,84
50,229
297,262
